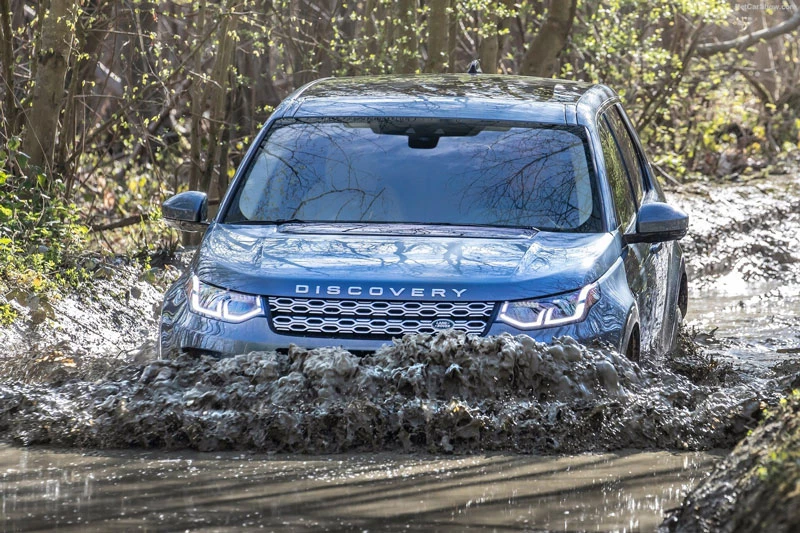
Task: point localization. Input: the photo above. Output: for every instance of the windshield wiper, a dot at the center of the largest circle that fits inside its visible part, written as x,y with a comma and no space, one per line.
278,222
477,226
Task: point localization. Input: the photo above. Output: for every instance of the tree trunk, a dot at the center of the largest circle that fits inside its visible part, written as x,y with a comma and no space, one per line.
225,143
540,59
452,37
90,34
7,71
42,119
143,21
197,105
300,54
407,59
369,35
216,92
438,26
489,47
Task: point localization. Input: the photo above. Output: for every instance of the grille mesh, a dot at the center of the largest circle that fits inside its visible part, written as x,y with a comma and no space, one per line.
378,318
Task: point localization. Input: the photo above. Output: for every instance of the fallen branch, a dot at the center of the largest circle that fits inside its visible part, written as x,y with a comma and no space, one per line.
123,223
788,350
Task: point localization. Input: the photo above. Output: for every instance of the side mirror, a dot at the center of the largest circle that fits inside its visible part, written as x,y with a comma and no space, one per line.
187,211
659,222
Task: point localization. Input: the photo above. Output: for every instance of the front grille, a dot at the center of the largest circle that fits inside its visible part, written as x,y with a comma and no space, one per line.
374,318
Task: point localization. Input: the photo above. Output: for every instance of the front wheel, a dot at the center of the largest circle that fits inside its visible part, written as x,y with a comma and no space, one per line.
680,313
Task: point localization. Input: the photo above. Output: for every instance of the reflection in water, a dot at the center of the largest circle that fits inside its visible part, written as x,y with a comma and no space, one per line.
156,491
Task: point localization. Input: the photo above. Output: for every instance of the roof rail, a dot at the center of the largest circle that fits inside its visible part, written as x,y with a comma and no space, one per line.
475,67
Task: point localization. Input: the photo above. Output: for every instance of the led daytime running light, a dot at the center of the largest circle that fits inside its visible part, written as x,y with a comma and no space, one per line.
544,317
221,309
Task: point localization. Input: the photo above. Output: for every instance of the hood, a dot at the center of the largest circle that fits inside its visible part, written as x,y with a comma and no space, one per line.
448,264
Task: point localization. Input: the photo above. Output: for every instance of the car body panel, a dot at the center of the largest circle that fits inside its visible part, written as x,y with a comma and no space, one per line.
263,260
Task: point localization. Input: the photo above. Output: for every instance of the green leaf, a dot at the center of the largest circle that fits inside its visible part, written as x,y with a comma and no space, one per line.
21,157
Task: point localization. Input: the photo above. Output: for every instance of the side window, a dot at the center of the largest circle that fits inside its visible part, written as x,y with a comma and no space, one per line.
629,156
617,179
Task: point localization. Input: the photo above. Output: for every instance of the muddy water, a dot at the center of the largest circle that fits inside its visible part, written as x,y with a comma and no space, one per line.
124,490
425,396
755,325
440,394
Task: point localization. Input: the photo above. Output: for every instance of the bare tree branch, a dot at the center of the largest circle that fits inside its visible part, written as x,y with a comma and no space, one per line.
740,43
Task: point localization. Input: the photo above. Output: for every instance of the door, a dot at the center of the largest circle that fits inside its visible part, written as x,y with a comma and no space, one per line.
654,258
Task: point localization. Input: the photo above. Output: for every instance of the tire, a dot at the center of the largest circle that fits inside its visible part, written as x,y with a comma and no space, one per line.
680,313
634,347
676,330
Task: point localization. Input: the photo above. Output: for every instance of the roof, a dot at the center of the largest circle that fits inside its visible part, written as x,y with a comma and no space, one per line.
449,95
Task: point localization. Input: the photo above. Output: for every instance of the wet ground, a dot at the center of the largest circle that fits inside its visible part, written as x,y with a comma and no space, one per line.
453,413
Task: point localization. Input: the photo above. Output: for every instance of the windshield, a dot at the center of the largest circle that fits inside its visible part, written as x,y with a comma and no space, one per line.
421,171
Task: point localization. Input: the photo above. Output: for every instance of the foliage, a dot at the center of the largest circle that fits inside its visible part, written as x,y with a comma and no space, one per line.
695,113
41,236
7,314
755,488
774,463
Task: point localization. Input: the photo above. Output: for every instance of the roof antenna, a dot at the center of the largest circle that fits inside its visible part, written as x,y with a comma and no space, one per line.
475,67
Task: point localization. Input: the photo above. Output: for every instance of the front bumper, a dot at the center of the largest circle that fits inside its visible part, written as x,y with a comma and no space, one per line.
199,334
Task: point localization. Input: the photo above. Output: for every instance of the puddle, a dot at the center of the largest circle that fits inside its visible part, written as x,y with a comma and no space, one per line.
743,260
759,326
130,490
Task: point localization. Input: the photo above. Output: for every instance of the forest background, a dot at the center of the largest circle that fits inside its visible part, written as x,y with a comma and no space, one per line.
107,107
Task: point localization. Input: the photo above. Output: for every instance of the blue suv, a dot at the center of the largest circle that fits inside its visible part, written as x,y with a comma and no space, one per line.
370,208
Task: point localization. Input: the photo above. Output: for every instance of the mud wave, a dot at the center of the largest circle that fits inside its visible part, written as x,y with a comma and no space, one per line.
442,393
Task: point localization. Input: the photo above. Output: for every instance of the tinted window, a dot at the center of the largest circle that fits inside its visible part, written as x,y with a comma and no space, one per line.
421,171
617,179
629,155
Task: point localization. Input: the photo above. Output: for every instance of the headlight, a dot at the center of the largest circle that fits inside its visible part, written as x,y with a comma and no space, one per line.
221,304
549,312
